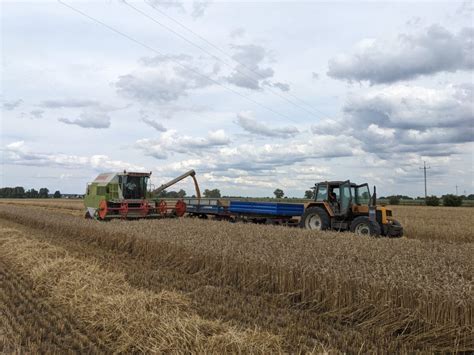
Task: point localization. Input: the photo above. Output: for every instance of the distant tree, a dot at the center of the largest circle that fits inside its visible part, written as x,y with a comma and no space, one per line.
278,193
212,193
452,200
43,193
181,193
57,194
470,197
18,192
309,194
32,193
432,201
394,200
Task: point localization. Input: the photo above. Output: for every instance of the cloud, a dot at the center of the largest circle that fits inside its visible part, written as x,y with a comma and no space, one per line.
199,8
17,153
315,75
249,124
161,80
167,4
401,119
11,105
152,123
89,119
248,73
237,32
281,86
37,114
68,103
172,142
407,57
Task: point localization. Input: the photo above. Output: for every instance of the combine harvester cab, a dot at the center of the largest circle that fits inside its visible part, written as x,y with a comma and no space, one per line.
126,196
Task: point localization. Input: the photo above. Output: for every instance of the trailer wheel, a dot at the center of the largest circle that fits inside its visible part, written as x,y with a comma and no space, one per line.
315,218
363,226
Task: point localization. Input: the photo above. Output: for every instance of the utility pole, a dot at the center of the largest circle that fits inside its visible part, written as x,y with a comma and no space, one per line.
456,189
424,171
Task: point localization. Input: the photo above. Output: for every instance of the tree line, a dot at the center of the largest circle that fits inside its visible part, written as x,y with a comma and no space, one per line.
20,192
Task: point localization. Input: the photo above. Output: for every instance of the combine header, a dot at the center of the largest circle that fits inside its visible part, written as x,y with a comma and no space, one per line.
126,196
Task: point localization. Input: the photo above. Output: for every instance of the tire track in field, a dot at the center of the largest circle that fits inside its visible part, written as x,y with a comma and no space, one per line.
31,325
126,319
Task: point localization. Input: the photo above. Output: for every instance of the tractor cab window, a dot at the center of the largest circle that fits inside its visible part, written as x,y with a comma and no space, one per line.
322,193
362,195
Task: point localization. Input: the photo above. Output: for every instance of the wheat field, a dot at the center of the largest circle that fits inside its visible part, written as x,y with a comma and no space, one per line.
188,285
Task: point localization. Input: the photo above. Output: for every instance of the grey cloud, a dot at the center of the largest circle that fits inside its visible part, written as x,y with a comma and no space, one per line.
315,75
199,8
11,105
432,51
37,114
251,57
403,119
68,103
152,123
253,126
89,120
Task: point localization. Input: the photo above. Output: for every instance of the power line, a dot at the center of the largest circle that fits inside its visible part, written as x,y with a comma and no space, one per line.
175,61
424,168
223,52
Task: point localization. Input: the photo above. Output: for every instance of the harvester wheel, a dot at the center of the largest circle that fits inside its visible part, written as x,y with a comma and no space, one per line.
363,226
102,209
315,218
163,207
180,208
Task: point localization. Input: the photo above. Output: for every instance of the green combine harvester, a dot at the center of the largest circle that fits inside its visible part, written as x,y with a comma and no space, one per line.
128,195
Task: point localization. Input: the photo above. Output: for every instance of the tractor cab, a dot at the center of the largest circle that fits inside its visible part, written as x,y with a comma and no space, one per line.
341,196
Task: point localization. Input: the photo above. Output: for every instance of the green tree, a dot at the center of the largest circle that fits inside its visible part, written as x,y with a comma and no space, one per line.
394,200
32,193
215,193
309,194
279,193
181,193
452,200
57,194
43,193
432,201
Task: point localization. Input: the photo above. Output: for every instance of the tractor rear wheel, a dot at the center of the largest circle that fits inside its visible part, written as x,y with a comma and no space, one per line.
315,218
363,226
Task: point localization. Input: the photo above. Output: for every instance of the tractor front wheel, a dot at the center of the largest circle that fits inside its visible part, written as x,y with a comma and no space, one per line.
363,226
315,218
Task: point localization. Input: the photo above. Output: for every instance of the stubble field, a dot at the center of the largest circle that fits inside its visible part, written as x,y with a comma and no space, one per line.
186,285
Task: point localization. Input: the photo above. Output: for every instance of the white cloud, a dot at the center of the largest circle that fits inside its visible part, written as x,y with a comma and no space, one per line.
18,153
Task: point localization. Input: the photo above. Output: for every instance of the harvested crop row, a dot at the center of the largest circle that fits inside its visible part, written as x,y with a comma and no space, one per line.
124,318
402,288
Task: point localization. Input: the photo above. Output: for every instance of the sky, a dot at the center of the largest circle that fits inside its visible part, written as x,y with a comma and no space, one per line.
253,95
